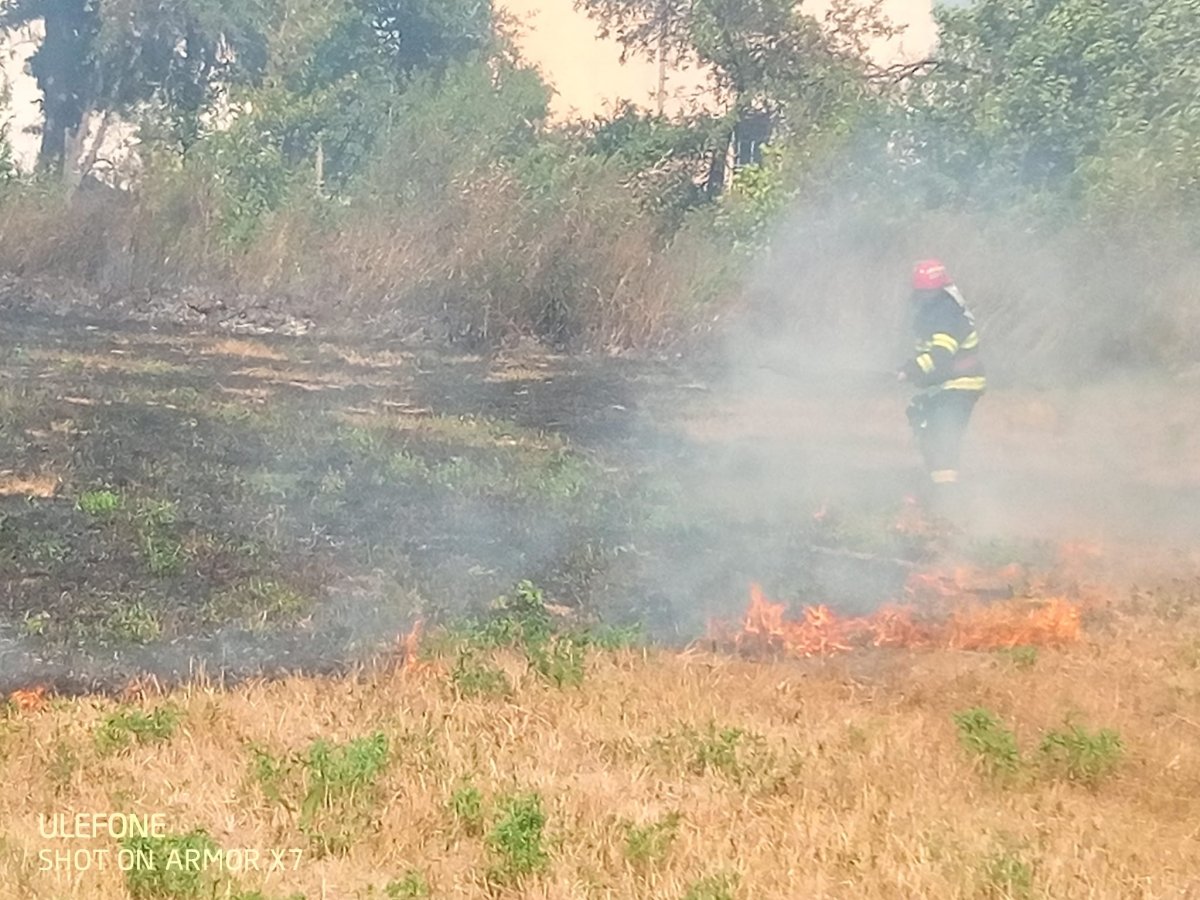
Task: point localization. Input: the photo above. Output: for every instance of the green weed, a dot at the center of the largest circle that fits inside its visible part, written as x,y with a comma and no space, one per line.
1006,876
1022,657
474,677
713,887
258,604
410,886
103,504
517,840
163,554
466,806
171,867
1080,756
62,766
520,619
36,624
404,466
649,844
610,638
124,728
701,751
339,789
994,745
560,661
133,622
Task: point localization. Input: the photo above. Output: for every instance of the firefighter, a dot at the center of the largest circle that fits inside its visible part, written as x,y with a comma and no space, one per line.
948,374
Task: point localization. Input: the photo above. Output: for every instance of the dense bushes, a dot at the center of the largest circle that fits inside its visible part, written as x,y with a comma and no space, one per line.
422,187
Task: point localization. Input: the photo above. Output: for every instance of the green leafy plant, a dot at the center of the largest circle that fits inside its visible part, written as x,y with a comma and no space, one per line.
123,728
171,867
648,844
410,886
339,782
1006,876
559,660
1023,657
516,841
475,677
466,806
713,887
1081,756
994,746
102,504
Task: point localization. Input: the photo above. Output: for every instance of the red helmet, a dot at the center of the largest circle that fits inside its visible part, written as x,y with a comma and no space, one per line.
930,275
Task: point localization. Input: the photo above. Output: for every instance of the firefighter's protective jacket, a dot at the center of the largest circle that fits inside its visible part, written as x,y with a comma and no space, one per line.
947,353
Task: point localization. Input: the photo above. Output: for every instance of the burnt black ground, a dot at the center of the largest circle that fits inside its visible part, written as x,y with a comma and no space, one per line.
313,498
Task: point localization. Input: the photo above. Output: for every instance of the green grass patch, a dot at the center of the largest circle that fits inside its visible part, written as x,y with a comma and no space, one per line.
722,886
516,842
649,844
258,604
989,741
466,808
1006,875
127,727
1076,754
171,867
473,676
333,788
101,504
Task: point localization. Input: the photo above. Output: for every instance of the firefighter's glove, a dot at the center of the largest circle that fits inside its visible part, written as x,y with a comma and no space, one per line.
916,416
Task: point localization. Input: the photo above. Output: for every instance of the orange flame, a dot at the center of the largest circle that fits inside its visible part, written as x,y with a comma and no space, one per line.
29,699
409,647
969,625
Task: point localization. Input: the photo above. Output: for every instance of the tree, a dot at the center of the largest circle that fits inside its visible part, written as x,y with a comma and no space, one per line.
763,54
62,66
1029,97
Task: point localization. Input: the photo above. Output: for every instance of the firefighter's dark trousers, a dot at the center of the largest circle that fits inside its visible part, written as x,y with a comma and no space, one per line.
939,421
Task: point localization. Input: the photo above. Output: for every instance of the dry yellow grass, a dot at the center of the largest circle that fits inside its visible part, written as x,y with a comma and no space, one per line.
240,347
863,790
28,485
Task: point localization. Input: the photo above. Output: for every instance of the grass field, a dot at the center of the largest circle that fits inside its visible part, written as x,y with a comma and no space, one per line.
213,548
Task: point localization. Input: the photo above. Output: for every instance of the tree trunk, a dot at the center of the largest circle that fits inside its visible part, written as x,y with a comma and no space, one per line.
60,67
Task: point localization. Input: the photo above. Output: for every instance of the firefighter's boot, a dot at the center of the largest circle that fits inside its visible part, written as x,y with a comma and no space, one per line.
944,498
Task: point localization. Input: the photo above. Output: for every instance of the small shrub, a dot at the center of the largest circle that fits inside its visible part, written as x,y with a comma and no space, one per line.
62,766
270,774
170,867
648,844
1080,756
410,886
125,727
713,887
559,661
163,554
994,745
473,677
257,604
339,779
332,786
516,841
133,622
466,805
608,637
1023,657
100,504
1005,876
521,619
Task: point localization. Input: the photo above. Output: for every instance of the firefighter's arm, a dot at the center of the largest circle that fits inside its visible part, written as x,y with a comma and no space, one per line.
933,360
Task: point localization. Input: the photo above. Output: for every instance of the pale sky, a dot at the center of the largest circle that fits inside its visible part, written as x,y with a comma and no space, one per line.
588,75
563,43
